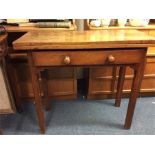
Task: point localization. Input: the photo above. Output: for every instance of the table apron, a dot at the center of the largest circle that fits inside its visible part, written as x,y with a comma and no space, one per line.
91,58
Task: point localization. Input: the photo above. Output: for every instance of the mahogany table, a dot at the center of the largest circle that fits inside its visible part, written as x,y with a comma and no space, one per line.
85,49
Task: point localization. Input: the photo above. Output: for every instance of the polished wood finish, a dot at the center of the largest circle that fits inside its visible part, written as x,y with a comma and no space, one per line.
138,76
72,45
120,86
40,40
81,57
37,94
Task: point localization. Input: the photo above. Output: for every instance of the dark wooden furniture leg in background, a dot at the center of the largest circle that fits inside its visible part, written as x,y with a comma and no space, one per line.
13,82
35,84
138,76
120,83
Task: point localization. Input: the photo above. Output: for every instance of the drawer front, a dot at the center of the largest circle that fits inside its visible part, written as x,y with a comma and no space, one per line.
98,57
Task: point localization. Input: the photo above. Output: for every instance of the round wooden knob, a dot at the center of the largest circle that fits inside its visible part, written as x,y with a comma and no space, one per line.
111,58
67,60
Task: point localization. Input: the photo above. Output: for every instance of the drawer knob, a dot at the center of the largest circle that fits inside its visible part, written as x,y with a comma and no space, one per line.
67,60
111,58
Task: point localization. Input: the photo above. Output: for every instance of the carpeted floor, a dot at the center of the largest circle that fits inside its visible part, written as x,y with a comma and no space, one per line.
83,117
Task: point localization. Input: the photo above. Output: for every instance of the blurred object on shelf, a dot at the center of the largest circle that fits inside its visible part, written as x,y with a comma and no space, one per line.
49,20
27,24
113,22
122,22
152,21
54,24
139,22
2,21
2,30
95,23
105,22
17,21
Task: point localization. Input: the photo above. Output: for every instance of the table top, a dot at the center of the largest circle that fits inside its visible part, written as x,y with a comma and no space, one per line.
83,40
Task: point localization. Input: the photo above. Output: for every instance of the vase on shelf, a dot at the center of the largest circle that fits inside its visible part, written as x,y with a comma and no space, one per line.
95,23
105,22
139,22
122,22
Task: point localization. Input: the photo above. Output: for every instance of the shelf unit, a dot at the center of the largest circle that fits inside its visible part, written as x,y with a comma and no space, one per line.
103,81
33,28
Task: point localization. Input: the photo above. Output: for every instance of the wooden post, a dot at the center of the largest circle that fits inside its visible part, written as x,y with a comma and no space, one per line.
37,95
120,85
138,76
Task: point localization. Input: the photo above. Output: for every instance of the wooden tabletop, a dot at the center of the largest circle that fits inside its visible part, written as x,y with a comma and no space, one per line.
83,40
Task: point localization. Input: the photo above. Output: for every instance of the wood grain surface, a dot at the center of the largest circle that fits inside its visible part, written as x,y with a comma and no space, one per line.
83,39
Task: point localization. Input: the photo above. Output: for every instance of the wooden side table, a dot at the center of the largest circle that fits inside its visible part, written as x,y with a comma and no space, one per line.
85,49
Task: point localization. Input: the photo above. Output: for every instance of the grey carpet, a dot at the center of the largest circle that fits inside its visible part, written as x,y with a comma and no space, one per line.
83,117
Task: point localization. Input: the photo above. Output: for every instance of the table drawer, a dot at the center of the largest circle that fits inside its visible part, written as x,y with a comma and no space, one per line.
98,57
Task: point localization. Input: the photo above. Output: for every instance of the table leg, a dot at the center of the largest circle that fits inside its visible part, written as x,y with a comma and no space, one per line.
37,95
138,76
120,83
45,87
